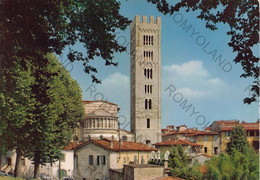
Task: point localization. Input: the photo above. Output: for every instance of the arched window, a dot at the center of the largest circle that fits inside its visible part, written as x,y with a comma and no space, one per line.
150,89
149,55
152,40
149,40
148,74
148,123
145,72
150,104
152,55
145,89
151,74
146,104
144,39
144,53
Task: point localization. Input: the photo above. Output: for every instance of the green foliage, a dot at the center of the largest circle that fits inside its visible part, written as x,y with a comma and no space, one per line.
33,28
178,162
236,166
39,110
241,16
238,140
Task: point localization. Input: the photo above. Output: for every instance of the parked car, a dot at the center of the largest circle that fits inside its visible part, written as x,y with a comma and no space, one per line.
3,173
44,176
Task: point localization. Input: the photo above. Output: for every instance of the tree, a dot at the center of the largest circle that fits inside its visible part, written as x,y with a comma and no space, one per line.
45,125
243,19
33,28
236,166
238,140
178,162
57,112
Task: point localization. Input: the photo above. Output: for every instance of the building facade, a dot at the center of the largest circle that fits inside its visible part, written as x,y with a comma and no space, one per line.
225,128
145,85
94,158
101,121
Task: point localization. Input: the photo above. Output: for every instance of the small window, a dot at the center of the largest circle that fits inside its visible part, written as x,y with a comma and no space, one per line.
151,74
252,133
103,160
257,133
205,150
144,40
98,160
146,103
150,104
90,159
148,122
150,89
216,150
152,40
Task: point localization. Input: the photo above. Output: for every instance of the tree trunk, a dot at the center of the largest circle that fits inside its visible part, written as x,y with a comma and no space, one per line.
36,173
17,170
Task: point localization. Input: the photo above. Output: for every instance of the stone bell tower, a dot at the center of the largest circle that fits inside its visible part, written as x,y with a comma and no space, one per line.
146,79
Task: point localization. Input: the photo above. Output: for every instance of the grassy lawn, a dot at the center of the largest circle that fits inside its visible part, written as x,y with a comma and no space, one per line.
12,178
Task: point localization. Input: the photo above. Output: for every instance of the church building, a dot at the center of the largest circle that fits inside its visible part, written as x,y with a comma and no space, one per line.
145,108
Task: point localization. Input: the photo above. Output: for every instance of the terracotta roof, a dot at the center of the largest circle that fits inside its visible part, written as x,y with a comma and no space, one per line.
229,125
116,146
72,145
192,132
176,142
202,133
207,128
207,155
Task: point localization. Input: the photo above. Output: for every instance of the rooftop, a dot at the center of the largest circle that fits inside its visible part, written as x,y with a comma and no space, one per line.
176,142
119,146
72,145
192,132
230,124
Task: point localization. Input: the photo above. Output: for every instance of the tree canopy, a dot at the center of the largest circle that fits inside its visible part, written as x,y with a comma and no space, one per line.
33,28
39,114
235,166
178,162
238,140
243,19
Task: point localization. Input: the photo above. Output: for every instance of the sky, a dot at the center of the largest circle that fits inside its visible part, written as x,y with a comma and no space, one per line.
196,67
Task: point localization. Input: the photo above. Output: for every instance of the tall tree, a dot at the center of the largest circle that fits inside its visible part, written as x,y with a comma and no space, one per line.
238,140
57,112
38,27
243,19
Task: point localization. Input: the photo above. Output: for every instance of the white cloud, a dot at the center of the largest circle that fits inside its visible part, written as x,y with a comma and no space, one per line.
193,80
191,68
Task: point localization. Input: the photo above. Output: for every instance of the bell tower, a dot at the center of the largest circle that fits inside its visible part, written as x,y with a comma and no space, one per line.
146,79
